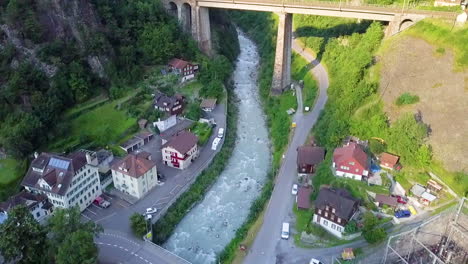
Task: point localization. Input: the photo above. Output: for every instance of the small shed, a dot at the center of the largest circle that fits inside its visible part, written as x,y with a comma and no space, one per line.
434,186
208,104
427,198
388,160
417,190
303,198
388,200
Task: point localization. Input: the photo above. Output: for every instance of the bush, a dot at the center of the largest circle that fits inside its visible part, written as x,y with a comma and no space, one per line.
351,227
138,224
370,231
407,99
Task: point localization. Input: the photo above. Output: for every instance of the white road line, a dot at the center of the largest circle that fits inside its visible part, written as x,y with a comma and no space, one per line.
97,206
107,196
106,217
173,189
86,217
91,211
122,205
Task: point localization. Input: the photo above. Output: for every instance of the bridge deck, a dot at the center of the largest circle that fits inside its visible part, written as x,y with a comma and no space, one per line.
326,8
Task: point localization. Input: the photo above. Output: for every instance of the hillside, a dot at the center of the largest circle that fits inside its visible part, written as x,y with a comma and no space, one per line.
428,71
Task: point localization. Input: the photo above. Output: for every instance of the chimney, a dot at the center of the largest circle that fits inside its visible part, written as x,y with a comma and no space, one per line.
36,154
88,158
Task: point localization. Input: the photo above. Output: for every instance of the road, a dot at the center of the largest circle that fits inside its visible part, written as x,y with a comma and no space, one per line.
115,219
268,246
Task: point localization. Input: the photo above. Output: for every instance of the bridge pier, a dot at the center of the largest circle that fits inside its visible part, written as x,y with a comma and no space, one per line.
204,30
282,68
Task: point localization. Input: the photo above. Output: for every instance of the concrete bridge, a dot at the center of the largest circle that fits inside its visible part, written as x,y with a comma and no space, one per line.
194,17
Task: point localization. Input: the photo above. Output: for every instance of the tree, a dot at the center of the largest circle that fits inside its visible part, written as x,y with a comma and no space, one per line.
351,227
424,155
78,247
65,222
138,224
193,111
370,231
23,239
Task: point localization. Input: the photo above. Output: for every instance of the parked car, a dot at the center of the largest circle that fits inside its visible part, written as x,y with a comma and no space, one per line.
99,201
400,199
215,143
294,189
402,213
315,261
220,132
285,231
151,210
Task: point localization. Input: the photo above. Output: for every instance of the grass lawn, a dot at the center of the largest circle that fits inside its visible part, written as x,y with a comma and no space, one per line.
10,170
88,104
190,89
301,71
101,126
203,132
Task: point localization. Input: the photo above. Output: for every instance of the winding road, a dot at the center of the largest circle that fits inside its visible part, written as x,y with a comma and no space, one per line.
268,246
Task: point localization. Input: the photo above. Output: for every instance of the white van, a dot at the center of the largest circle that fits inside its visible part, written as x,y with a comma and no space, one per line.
215,143
285,231
220,132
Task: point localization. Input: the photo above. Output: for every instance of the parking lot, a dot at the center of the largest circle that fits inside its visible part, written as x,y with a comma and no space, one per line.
95,213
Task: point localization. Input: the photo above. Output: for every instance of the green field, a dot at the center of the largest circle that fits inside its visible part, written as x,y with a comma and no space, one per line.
300,69
203,132
9,171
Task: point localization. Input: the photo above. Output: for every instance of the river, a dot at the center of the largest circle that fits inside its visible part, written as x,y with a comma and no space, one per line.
211,225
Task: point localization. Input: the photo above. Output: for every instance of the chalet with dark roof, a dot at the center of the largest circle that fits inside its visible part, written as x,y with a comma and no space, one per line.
173,105
334,208
181,150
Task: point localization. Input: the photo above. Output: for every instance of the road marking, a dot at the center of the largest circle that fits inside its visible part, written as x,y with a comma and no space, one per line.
107,196
96,206
86,217
91,211
132,253
173,189
106,217
125,206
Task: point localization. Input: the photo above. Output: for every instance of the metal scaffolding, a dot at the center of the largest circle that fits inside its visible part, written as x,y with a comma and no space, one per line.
443,239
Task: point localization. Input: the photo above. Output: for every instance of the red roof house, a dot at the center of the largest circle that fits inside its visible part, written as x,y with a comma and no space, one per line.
388,160
183,68
351,161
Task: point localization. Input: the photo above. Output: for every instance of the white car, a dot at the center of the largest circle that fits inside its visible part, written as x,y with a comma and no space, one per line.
294,189
151,210
215,143
220,132
315,261
285,231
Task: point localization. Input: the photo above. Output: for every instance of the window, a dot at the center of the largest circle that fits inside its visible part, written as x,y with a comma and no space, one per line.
357,170
325,222
339,220
339,228
319,211
351,163
326,214
333,210
332,217
327,208
333,226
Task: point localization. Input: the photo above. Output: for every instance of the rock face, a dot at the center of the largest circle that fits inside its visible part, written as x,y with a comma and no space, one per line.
65,20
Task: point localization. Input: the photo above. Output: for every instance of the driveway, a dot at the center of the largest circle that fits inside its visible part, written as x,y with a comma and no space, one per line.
268,247
116,218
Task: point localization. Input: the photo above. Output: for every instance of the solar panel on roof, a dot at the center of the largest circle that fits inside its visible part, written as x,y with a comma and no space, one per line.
58,163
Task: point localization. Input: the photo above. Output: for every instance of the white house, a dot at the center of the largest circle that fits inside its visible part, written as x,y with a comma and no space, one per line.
180,150
135,174
350,161
66,181
334,208
37,204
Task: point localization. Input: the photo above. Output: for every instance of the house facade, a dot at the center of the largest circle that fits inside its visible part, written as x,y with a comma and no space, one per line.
135,175
66,181
173,105
351,161
38,204
183,68
308,157
334,208
181,150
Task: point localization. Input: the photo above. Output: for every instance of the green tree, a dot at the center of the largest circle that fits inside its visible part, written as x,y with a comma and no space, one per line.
138,224
424,155
78,247
370,231
193,111
351,227
65,222
157,43
23,239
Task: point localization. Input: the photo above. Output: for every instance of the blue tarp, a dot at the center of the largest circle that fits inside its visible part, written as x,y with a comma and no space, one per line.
374,168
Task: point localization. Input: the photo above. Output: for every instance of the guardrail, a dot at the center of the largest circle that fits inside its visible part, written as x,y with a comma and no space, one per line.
168,255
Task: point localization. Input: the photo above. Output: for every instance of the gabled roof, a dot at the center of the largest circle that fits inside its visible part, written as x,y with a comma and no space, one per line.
178,63
418,190
303,197
339,199
310,155
134,165
388,200
389,158
208,103
163,100
57,171
352,151
182,142
22,198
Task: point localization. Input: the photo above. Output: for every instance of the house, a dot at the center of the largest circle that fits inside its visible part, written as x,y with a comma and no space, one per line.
173,105
208,105
182,124
183,68
433,186
388,160
424,196
38,204
334,208
386,200
165,124
104,158
135,175
308,157
66,181
137,141
180,150
351,161
303,198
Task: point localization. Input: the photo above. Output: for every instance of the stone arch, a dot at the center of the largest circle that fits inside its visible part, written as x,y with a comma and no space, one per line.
173,9
406,23
186,17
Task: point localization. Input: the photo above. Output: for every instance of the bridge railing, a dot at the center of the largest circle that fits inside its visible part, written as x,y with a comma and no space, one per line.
345,4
